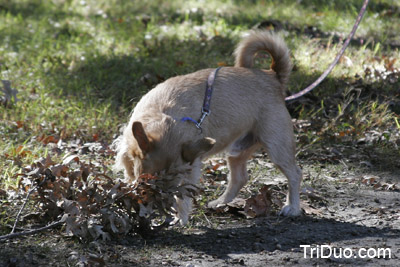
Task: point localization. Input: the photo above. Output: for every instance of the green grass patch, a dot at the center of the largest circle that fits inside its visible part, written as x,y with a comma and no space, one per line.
80,66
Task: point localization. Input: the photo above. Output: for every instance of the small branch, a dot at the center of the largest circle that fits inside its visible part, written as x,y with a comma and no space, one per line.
22,208
25,202
34,231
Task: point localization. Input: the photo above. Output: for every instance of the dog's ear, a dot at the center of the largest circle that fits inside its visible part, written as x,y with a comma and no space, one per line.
141,137
193,150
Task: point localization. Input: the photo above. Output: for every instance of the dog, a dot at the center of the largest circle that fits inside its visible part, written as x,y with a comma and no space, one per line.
247,112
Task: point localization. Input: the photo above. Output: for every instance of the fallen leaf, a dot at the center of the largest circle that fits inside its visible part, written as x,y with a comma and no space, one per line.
59,170
22,152
259,205
94,260
308,209
95,137
389,63
311,194
255,206
46,162
67,160
19,124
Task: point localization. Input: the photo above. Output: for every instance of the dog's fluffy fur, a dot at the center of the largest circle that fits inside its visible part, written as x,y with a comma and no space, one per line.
247,111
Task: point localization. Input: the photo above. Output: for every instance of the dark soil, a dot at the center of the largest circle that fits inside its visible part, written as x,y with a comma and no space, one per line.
348,214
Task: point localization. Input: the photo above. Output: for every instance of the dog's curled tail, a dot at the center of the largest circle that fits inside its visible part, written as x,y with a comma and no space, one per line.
265,41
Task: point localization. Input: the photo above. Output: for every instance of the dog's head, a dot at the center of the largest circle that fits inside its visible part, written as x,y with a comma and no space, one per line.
157,150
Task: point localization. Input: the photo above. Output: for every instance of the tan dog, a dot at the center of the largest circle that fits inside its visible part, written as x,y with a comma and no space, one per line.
247,111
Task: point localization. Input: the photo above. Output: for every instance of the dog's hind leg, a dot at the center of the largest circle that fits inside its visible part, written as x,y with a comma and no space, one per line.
240,151
276,135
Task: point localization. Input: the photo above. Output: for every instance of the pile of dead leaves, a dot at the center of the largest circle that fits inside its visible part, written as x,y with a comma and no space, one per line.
93,205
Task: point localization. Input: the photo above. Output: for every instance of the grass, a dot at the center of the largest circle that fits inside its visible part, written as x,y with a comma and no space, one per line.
80,66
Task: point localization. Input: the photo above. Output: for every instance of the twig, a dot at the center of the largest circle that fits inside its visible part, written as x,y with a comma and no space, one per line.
22,208
34,231
25,202
205,216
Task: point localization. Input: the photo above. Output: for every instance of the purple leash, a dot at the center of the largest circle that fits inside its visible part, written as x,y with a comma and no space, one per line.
338,56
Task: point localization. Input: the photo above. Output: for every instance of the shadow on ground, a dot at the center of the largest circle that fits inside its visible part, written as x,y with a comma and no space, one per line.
269,235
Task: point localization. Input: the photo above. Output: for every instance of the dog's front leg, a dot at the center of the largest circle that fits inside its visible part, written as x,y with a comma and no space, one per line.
184,203
184,207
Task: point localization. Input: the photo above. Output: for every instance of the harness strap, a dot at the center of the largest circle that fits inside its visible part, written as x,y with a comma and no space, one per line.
205,110
209,90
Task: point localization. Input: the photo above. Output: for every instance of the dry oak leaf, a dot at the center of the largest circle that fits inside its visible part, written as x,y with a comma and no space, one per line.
259,205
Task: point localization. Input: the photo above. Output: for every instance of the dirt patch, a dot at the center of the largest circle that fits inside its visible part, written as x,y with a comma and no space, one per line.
349,215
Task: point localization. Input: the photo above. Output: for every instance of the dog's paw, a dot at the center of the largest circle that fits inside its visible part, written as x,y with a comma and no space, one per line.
183,220
290,211
215,203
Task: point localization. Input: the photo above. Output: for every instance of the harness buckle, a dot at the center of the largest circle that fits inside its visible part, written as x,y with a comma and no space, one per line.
204,114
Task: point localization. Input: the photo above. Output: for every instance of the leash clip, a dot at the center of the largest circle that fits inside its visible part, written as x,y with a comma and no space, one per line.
204,114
